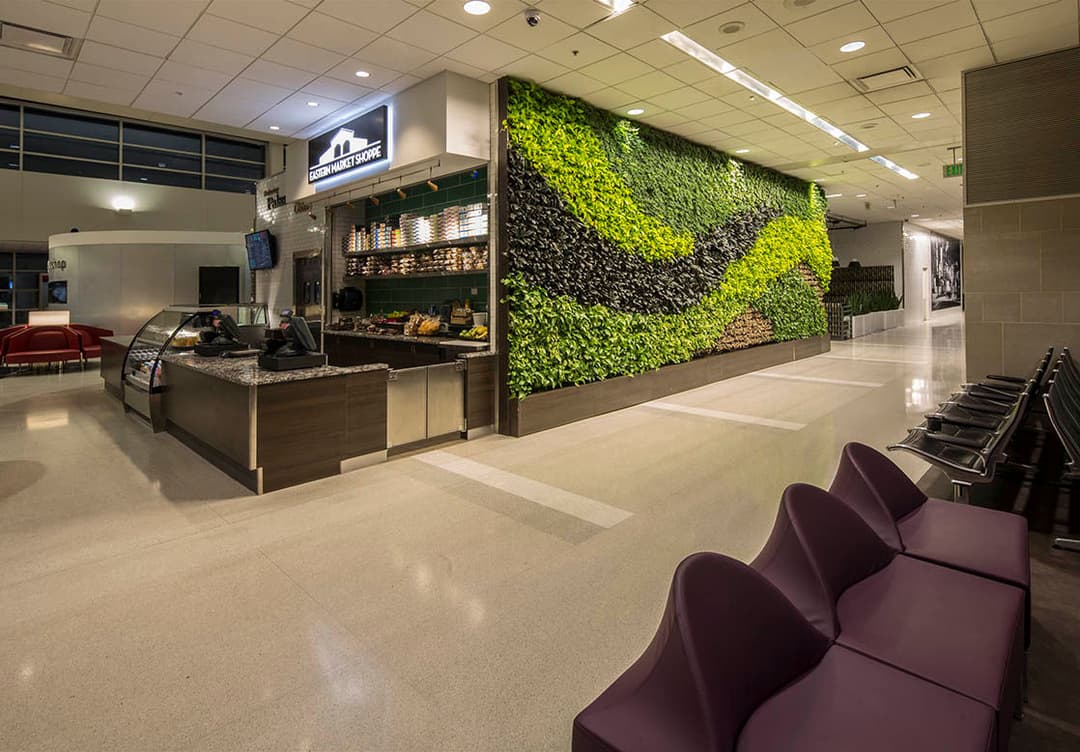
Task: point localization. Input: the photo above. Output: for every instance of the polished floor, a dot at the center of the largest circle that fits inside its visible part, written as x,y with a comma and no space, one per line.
473,598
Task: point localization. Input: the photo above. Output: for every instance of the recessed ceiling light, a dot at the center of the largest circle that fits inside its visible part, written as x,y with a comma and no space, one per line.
617,6
920,116
312,104
704,55
275,127
852,46
362,74
742,151
913,216
733,27
834,195
477,7
860,195
636,111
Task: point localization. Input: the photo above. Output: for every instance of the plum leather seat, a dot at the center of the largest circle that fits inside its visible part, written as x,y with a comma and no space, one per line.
734,666
981,541
952,628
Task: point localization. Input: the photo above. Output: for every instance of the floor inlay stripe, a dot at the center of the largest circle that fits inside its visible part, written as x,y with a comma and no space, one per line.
816,379
567,502
874,360
731,417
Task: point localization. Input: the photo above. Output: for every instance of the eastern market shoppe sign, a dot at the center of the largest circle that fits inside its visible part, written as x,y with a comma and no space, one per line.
360,142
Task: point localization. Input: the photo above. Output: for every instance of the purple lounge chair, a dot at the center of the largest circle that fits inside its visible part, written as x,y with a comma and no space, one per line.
734,667
985,542
952,628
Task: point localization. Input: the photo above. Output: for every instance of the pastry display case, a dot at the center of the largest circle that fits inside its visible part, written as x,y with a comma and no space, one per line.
175,329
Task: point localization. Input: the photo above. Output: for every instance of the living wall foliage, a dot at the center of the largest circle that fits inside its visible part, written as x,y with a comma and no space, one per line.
631,248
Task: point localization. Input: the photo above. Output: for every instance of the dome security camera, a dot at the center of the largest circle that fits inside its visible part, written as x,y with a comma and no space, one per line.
532,17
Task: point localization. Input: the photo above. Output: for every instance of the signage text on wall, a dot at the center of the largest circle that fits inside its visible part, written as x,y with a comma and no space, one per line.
362,141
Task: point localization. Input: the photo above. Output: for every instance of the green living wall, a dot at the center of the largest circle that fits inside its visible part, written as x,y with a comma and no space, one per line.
630,248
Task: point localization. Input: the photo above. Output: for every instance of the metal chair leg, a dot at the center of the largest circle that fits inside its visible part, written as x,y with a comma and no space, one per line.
1067,544
961,492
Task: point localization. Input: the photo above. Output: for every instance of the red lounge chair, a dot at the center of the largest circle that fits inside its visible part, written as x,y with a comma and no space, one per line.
90,338
5,333
43,344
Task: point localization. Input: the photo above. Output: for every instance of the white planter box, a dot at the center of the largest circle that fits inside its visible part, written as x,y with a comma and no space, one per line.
878,321
894,319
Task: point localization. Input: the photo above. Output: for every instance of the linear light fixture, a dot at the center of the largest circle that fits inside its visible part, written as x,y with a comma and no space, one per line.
617,6
706,56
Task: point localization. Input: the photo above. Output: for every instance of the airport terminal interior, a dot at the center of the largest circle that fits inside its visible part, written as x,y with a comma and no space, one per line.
574,375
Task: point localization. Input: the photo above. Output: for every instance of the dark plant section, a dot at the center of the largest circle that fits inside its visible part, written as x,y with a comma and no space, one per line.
557,252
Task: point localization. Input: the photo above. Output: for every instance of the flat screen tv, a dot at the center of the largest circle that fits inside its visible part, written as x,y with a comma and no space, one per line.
58,292
219,285
260,249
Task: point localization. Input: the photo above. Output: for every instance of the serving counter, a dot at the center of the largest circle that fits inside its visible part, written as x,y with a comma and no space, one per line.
273,429
345,347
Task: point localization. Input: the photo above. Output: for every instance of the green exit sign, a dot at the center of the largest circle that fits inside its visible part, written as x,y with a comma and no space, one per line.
953,170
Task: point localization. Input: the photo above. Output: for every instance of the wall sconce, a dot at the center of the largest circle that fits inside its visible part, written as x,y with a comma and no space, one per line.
375,200
402,194
432,185
123,204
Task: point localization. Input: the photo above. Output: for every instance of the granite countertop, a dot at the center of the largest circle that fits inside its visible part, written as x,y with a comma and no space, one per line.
124,340
246,371
470,355
465,344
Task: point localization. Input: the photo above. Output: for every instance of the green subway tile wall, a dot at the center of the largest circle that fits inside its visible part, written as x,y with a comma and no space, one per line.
385,295
462,188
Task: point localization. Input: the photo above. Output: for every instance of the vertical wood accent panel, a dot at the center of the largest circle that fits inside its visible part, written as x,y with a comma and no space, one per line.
211,409
480,391
1021,133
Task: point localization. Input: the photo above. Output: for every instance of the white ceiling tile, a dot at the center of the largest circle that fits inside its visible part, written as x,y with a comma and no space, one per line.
306,3
785,12
537,39
202,55
292,114
434,33
120,34
500,11
951,65
394,54
663,120
574,12
719,86
683,13
95,74
469,71
1056,38
277,16
377,75
399,84
31,62
690,71
1031,22
330,33
27,80
630,28
703,108
870,64
577,51
728,119
230,35
575,84
276,74
98,93
617,68
534,68
182,73
84,5
120,59
907,107
658,54
172,98
335,89
708,32
264,94
846,19
988,10
900,93
486,52
830,93
954,15
684,97
173,17
377,15
57,19
304,56
968,38
611,98
776,58
874,38
650,84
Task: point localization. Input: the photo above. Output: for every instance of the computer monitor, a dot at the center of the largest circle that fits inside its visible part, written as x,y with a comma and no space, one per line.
227,331
300,336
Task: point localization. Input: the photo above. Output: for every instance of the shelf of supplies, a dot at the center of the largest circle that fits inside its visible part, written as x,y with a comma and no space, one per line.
462,242
415,274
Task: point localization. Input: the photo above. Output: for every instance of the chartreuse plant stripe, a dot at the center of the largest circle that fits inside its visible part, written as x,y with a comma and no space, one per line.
554,135
793,308
556,341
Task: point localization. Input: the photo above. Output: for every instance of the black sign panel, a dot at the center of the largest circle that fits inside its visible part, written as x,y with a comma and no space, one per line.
358,143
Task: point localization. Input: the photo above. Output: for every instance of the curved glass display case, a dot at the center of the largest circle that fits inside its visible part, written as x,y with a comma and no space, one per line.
174,329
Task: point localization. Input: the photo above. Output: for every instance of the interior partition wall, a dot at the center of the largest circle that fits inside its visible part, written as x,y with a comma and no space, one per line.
631,259
1021,268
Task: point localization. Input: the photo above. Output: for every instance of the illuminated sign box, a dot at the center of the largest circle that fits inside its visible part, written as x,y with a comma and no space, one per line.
358,143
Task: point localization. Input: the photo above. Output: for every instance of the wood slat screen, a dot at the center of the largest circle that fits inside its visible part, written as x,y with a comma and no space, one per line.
1022,129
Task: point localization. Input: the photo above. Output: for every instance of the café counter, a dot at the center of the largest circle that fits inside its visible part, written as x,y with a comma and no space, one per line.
273,429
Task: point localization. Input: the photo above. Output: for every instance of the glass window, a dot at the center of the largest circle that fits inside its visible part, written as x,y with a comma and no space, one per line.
72,125
228,184
162,159
219,147
26,280
27,299
159,138
162,177
70,147
9,139
34,163
9,115
36,262
9,160
234,169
